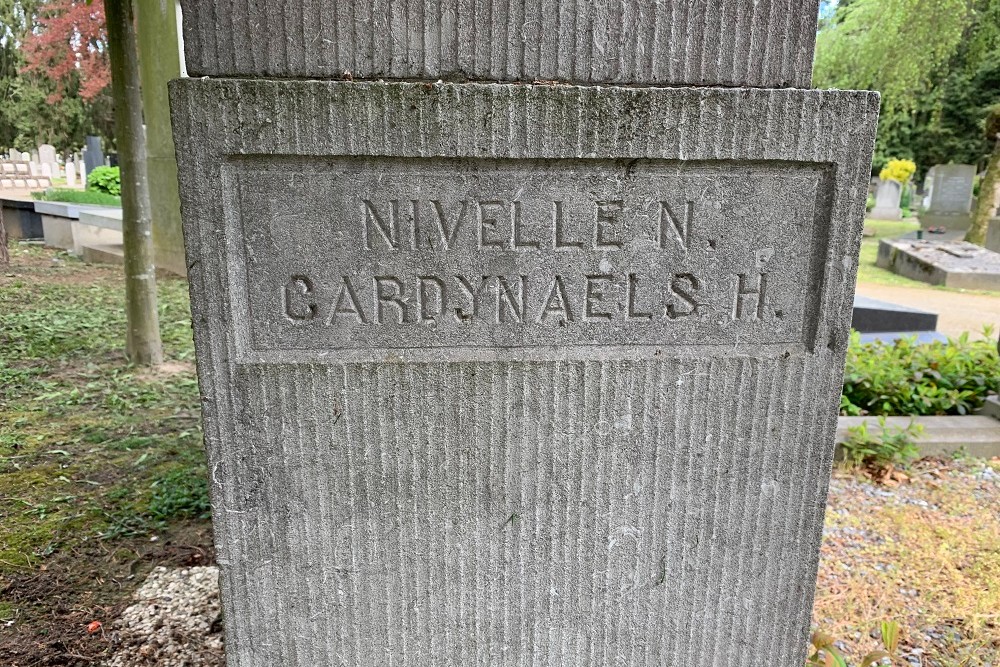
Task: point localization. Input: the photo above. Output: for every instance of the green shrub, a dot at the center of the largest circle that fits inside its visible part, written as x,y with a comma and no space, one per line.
78,196
891,446
105,179
907,378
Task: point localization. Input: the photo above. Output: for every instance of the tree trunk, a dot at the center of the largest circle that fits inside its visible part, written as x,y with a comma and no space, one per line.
989,197
143,337
4,255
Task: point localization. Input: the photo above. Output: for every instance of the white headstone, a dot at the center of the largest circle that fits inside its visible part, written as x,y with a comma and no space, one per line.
46,169
25,157
47,155
887,198
70,174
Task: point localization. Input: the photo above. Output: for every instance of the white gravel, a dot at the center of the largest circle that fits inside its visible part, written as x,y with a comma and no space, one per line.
174,622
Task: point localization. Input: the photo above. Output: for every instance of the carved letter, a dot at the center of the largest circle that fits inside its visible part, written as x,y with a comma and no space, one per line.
488,223
394,296
744,290
347,303
299,305
389,231
560,233
425,298
519,240
682,228
515,306
557,303
460,313
596,297
678,287
448,235
633,283
607,215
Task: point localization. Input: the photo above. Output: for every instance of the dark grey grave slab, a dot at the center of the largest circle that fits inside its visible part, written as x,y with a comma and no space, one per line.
20,219
950,263
874,316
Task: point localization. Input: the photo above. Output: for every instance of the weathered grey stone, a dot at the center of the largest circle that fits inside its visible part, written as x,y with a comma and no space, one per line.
765,43
950,200
993,235
949,263
951,189
887,198
625,465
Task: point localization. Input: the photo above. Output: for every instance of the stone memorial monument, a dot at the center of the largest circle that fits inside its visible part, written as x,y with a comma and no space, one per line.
950,200
507,363
887,198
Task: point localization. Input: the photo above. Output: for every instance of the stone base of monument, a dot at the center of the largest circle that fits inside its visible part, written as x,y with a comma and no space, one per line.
974,435
57,232
991,408
886,214
948,263
97,228
103,254
993,235
955,222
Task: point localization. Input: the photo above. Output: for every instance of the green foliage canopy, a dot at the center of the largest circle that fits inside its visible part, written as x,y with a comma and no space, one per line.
936,63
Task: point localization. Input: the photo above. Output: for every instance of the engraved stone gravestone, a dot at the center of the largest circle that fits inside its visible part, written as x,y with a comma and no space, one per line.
950,202
503,374
887,197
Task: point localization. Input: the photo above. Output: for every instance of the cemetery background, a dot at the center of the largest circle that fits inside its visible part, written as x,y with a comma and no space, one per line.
98,458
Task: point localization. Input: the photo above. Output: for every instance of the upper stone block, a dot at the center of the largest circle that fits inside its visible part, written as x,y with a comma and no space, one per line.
759,43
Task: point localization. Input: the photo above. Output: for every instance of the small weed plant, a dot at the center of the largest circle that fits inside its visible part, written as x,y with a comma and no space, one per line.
824,652
904,377
889,447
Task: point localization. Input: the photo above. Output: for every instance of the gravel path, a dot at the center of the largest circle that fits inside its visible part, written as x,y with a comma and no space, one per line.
176,621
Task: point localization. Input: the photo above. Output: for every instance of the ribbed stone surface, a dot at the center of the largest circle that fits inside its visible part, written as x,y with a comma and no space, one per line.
763,43
446,501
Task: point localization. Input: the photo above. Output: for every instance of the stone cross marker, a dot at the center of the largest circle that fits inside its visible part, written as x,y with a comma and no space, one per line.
517,373
887,198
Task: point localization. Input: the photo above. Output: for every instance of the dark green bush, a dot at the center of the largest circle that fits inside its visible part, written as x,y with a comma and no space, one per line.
907,378
105,179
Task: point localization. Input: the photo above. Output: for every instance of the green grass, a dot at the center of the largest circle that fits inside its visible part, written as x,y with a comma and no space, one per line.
78,196
91,447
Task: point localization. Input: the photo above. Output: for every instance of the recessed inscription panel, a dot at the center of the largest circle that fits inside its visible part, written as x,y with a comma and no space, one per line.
369,253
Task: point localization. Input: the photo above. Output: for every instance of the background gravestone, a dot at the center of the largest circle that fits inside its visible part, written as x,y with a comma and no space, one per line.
950,203
47,155
887,197
93,156
516,374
